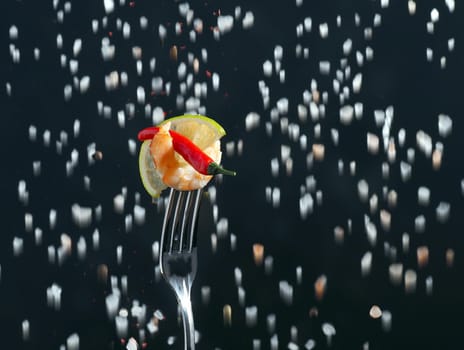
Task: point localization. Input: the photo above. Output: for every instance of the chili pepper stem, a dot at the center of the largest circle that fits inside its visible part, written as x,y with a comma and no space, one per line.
214,169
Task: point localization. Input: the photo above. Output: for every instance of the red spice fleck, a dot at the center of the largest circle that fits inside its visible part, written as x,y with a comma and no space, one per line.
132,4
208,73
110,34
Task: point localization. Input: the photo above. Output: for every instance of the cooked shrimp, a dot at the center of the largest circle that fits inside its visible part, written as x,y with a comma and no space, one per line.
173,169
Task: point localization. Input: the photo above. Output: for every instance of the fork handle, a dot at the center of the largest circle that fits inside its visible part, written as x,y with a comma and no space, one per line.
187,320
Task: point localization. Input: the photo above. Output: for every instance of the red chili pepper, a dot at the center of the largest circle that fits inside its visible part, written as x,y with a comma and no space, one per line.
192,154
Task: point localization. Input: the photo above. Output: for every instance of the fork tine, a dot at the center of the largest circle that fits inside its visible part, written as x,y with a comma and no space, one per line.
196,210
180,220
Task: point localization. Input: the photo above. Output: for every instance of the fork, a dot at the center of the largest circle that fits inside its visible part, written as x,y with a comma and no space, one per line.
178,258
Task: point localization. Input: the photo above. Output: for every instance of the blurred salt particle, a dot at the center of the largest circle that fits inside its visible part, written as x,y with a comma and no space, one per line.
306,205
38,234
96,239
310,344
405,170
375,312
225,23
46,138
122,326
423,196
324,30
357,83
268,264
422,254
227,315
449,257
213,239
54,296
51,253
216,81
372,143
324,67
82,216
386,320
251,316
109,6
258,253
329,331
411,7
72,342
445,125
419,224
405,242
410,281
118,203
292,346
132,344
443,212
346,114
318,151
18,246
28,222
248,20
286,292
81,248
320,286
437,159
205,294
451,44
25,329
429,54
252,121
363,190
366,264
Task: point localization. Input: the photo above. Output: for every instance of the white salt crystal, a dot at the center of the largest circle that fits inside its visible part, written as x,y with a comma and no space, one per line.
411,7
443,212
225,23
346,114
366,264
109,6
324,30
445,125
423,196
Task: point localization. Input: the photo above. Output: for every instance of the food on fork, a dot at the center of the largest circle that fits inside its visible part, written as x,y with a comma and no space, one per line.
182,152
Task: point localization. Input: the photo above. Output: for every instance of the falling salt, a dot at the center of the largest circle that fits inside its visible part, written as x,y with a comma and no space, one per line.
72,342
248,20
286,292
205,294
324,30
268,264
227,315
25,329
366,264
122,326
132,344
423,196
419,224
443,212
346,114
386,320
251,316
410,281
329,331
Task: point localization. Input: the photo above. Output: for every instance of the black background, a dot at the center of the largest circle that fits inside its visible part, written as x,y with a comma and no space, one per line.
399,75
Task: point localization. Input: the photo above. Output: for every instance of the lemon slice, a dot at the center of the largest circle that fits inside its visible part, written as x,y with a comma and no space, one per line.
151,179
202,130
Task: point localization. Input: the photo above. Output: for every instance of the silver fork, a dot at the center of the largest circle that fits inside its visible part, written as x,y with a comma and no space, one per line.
178,258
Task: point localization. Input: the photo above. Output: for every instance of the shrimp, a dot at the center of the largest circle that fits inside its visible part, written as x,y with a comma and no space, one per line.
174,171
